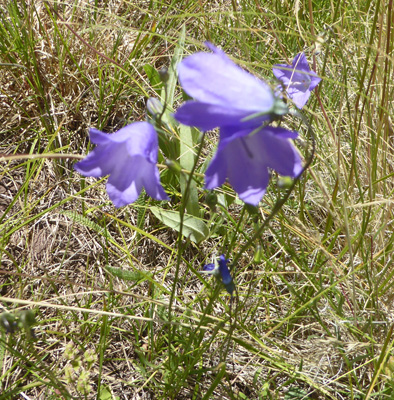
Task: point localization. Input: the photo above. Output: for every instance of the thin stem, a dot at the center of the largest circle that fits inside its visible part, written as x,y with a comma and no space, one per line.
280,202
180,245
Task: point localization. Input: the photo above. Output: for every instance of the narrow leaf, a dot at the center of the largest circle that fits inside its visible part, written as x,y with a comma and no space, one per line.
172,70
187,160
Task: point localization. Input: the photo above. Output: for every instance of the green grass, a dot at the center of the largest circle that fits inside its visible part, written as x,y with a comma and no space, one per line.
121,310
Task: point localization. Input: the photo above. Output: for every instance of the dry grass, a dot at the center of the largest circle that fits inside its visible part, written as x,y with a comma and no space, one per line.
301,322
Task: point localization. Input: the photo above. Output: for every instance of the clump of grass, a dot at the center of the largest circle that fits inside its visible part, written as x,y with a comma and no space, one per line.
313,313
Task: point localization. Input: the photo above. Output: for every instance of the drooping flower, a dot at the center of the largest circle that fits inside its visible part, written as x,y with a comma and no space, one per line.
129,157
224,94
297,78
225,274
245,159
220,268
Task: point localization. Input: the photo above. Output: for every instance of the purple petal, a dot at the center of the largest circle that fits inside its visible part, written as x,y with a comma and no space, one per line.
283,73
213,78
315,80
277,152
208,116
282,132
218,169
129,157
209,267
244,158
298,79
223,269
246,173
300,62
129,177
226,276
216,172
100,161
300,98
98,137
124,184
152,184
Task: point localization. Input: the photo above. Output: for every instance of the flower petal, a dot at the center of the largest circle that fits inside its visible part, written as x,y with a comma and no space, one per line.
299,98
216,172
100,161
298,79
225,274
245,157
315,80
208,267
276,152
246,173
223,269
129,157
213,78
208,116
151,181
125,184
300,62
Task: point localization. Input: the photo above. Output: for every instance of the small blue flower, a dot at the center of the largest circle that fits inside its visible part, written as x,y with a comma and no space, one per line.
228,97
297,78
245,159
224,94
129,157
220,268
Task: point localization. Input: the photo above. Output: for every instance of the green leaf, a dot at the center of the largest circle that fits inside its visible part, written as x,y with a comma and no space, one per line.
153,76
105,394
193,228
296,393
187,160
172,70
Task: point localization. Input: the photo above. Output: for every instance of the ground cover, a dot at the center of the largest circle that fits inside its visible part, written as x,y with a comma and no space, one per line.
120,307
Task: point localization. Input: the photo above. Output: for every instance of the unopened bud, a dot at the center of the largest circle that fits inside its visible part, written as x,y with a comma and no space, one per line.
7,321
258,254
164,75
284,182
173,165
280,108
154,107
27,319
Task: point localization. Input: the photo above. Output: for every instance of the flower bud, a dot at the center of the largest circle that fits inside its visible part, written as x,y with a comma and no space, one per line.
164,75
258,254
284,182
280,108
173,165
27,319
7,321
154,107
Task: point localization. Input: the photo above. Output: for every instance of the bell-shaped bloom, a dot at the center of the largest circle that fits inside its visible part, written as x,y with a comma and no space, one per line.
224,94
225,274
245,159
220,269
129,157
297,78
